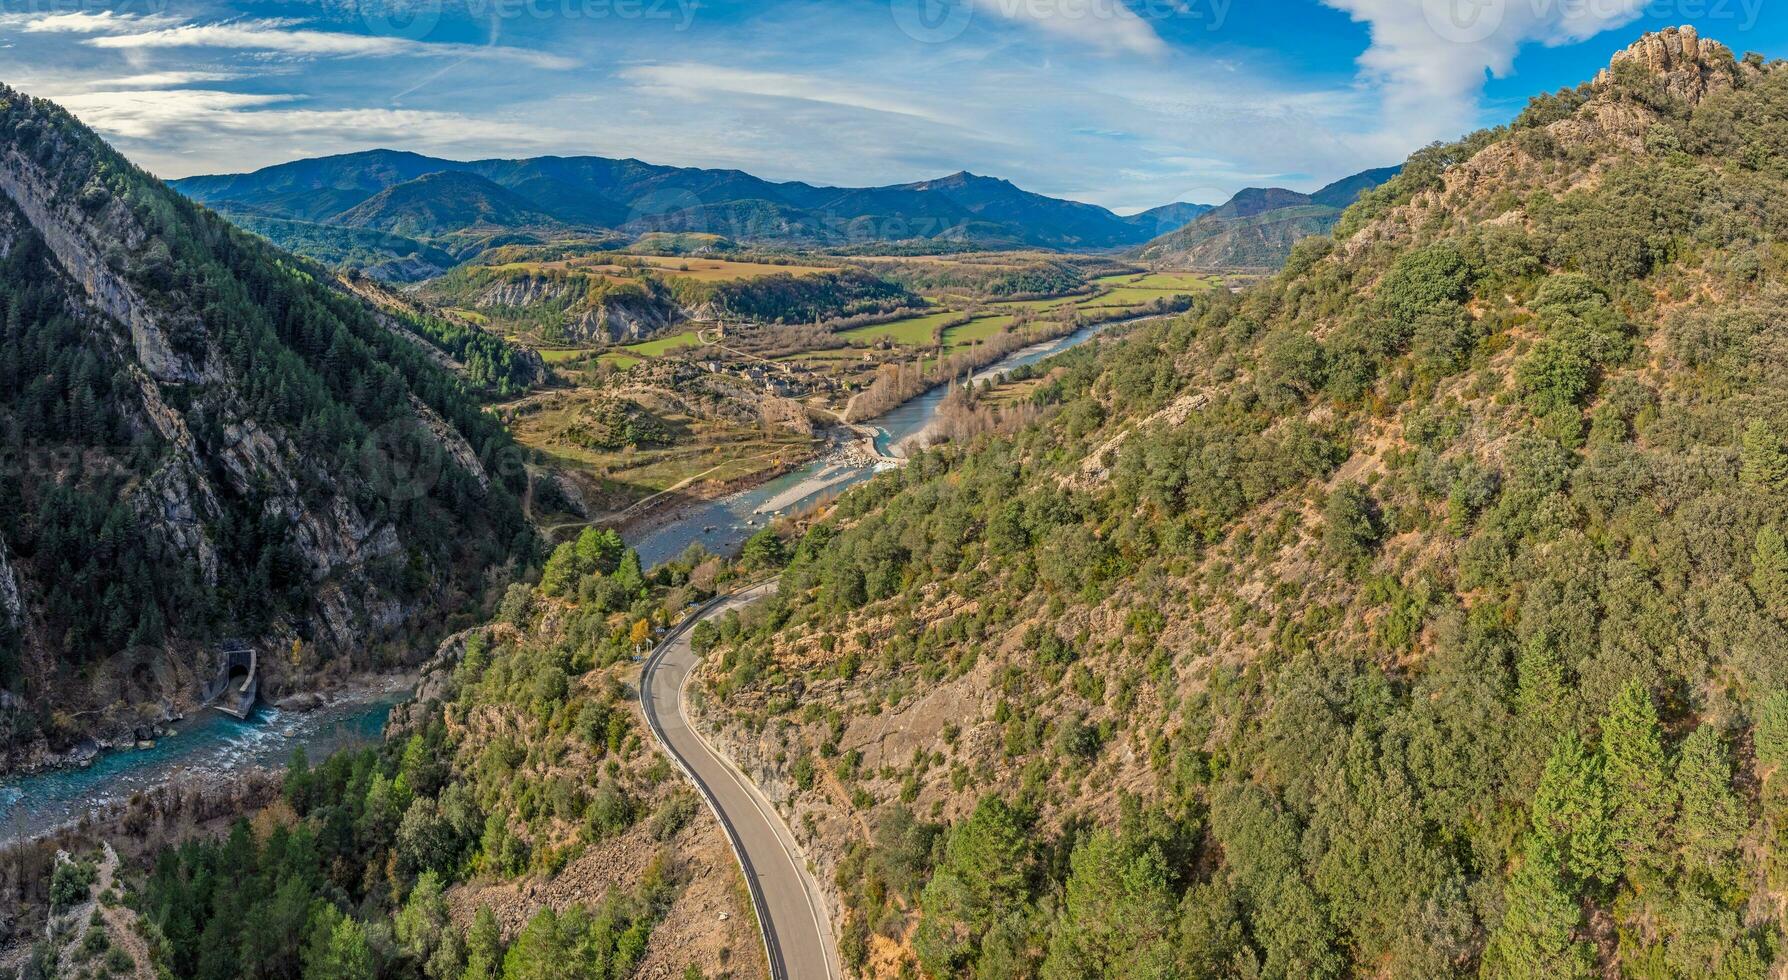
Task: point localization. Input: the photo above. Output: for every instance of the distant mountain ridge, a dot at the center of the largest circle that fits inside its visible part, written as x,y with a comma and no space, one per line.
1257,227
411,195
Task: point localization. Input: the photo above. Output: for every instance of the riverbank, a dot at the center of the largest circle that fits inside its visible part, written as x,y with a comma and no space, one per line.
206,753
927,434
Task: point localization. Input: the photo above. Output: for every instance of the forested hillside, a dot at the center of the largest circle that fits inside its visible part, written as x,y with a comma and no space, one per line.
1416,613
1257,228
518,822
207,439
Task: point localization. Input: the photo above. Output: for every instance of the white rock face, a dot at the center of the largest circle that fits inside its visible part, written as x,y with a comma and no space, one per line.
10,604
69,234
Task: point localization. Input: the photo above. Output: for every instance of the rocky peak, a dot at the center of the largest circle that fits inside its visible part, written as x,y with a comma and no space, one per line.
1689,66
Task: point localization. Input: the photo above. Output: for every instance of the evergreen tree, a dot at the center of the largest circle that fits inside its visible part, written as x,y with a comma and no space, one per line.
1570,814
628,576
484,947
1710,820
1769,734
560,576
1118,917
1769,570
338,948
982,880
1536,939
1640,796
1763,462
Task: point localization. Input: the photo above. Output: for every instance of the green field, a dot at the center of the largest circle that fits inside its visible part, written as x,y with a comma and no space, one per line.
1175,282
1037,304
663,345
975,330
1129,296
914,331
561,356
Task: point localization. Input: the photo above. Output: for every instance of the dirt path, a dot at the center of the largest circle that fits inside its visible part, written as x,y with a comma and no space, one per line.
118,922
121,922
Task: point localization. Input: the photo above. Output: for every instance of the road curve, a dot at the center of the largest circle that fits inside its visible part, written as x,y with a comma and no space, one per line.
797,938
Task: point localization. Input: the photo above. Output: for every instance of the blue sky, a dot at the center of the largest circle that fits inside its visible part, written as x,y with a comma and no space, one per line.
1125,103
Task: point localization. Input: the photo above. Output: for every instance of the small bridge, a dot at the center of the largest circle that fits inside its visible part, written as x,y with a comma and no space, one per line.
237,684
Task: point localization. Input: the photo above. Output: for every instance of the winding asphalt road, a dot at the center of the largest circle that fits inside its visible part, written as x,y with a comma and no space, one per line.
797,939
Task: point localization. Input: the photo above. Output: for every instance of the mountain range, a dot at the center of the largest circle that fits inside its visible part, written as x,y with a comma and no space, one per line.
402,215
1256,228
458,204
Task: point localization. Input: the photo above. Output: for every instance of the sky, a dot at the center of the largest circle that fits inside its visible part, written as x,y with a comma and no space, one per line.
1123,103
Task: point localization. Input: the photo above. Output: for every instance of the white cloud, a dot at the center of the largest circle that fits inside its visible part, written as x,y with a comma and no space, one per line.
83,22
157,79
1109,25
287,37
147,114
690,80
174,132
1430,56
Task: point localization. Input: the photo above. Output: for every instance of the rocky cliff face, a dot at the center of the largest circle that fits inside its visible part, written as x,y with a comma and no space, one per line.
602,318
239,518
1689,67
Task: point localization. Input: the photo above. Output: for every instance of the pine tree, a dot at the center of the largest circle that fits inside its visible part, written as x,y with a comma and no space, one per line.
1769,571
1640,796
1770,730
1537,935
560,576
1763,462
628,576
484,947
1570,813
1710,819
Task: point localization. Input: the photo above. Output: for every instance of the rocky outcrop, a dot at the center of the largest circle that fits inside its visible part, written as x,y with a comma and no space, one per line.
1691,68
11,607
448,438
202,442
606,318
71,235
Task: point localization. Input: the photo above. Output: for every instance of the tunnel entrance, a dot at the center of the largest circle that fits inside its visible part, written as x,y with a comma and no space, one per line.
236,686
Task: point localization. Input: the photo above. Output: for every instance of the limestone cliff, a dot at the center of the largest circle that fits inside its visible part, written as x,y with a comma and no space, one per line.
211,440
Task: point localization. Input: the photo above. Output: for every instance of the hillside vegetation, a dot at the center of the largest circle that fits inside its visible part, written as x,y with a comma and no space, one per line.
517,823
207,439
1257,228
1417,612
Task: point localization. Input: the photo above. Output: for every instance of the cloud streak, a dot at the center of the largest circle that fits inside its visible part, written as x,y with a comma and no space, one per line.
1109,26
690,80
288,37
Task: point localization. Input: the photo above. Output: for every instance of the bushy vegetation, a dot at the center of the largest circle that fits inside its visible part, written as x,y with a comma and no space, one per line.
809,298
529,756
1428,628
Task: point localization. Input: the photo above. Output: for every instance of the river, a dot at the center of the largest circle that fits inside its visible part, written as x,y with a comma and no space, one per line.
212,744
206,746
722,525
